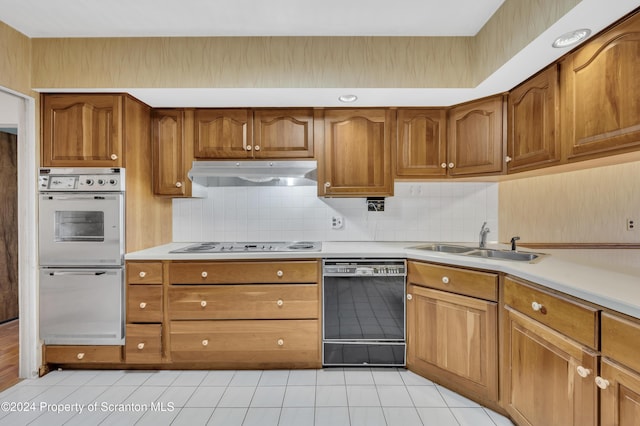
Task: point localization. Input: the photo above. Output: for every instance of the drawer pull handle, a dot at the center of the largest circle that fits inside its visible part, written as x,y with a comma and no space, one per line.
538,307
143,305
583,372
80,355
142,274
602,383
280,302
409,297
279,273
205,342
114,157
203,303
141,346
445,280
204,274
280,342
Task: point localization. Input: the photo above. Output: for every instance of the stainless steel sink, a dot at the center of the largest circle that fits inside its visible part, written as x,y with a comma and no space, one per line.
497,254
445,248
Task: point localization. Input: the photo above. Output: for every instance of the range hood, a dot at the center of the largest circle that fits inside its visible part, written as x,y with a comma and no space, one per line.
254,173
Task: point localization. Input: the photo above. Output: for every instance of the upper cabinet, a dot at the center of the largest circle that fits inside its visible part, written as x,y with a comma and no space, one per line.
356,159
82,130
246,133
421,147
533,122
171,137
600,92
476,137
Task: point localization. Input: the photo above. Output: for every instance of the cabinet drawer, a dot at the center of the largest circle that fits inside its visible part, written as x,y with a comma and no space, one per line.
575,320
619,340
83,354
254,342
144,273
266,301
243,272
144,343
144,303
483,285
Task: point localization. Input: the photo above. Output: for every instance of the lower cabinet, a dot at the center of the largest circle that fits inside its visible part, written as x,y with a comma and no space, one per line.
452,336
143,343
80,354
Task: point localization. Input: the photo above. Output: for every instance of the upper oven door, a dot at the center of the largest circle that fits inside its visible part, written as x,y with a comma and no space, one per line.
81,229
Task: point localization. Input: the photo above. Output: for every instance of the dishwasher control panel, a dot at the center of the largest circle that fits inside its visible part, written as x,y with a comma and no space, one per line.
360,267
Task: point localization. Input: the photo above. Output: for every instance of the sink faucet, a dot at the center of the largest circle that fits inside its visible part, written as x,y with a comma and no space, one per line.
513,243
483,235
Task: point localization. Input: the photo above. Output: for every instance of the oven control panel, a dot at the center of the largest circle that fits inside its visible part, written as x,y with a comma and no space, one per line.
81,180
347,268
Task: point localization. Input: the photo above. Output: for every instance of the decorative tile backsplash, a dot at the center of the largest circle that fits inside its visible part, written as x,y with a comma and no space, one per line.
424,211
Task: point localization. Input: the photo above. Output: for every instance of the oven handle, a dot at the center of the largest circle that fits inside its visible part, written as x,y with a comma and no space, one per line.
78,273
81,197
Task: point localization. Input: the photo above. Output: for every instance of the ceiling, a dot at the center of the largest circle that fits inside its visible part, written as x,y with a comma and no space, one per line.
151,18
132,18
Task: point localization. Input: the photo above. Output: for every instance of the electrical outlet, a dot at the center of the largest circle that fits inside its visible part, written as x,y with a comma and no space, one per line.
631,225
337,222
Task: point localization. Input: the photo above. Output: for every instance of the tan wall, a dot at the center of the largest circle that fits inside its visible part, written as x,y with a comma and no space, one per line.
575,207
15,60
294,62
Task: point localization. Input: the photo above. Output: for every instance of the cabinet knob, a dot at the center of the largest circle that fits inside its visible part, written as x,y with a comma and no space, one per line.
143,305
205,342
451,165
256,148
508,159
80,355
249,148
538,307
280,342
583,372
602,383
178,184
142,274
445,280
279,273
409,297
280,302
327,184
114,157
443,165
140,346
203,303
204,274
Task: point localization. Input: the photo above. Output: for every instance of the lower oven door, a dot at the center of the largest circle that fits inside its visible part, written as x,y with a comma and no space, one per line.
82,306
364,321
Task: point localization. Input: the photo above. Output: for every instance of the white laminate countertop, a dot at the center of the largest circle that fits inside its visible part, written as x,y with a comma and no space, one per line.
607,277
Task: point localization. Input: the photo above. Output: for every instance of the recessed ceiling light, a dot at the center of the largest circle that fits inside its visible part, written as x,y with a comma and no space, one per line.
347,98
572,38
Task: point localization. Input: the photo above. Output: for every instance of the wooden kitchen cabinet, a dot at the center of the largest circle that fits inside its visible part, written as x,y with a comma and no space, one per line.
172,136
548,376
452,334
223,133
356,158
82,130
475,138
600,91
534,122
421,145
82,354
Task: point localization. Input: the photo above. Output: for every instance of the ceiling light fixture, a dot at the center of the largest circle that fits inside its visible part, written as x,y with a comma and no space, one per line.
347,99
571,38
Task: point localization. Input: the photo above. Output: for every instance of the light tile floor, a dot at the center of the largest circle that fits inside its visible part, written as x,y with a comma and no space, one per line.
331,397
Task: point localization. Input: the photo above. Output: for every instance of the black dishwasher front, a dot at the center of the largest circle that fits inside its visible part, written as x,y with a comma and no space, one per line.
364,312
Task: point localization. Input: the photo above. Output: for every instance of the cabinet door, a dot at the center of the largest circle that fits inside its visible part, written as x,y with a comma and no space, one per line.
357,153
283,133
533,121
475,138
620,398
541,381
82,131
223,133
169,174
601,112
421,147
453,339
